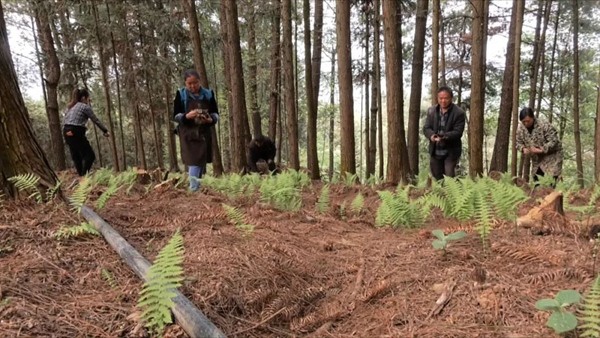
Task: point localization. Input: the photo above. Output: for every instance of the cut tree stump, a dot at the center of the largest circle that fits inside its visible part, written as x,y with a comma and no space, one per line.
553,202
187,315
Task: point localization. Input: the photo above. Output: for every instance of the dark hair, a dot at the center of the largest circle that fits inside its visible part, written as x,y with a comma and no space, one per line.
526,112
77,95
445,89
189,73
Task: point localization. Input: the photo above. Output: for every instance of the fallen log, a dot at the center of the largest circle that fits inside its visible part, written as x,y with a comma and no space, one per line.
187,315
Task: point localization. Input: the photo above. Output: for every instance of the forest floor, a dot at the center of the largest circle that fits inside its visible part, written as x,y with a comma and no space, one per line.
298,274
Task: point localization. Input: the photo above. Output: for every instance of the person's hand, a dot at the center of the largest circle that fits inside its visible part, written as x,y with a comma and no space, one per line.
107,134
206,119
526,151
192,114
536,150
435,138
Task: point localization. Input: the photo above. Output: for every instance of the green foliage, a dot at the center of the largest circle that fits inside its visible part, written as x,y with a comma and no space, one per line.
441,243
560,320
126,178
102,177
396,210
505,198
349,180
233,185
373,180
50,193
323,201
546,181
589,312
483,214
66,232
109,278
237,218
80,195
163,277
595,195
357,204
28,183
283,191
110,191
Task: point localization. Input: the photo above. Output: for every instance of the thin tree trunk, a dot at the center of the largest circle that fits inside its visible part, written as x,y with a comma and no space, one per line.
435,53
515,86
288,82
317,50
535,62
501,145
253,72
442,71
374,94
311,100
478,66
414,110
551,82
106,88
367,129
377,61
275,69
332,115
227,77
52,72
542,55
576,130
344,45
597,133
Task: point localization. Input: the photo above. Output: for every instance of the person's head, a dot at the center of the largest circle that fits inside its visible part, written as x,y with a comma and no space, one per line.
191,79
527,117
79,95
444,96
259,140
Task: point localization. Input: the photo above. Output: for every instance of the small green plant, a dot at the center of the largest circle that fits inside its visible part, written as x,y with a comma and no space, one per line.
4,302
397,210
357,204
80,195
110,191
349,179
237,218
323,201
51,192
589,312
560,320
109,278
442,241
28,183
162,279
66,232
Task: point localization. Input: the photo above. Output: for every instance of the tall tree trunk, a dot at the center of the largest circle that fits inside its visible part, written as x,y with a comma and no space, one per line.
311,100
332,116
476,112
344,45
288,83
442,71
398,169
68,72
535,62
367,72
551,82
228,149
317,49
542,55
52,72
118,84
500,154
253,72
200,66
241,127
377,61
275,68
106,88
375,86
597,133
414,110
515,86
20,153
576,130
435,50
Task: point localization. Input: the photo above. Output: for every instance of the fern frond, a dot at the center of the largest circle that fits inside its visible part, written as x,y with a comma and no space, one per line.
50,193
590,312
109,278
107,194
126,178
84,228
357,204
80,195
323,201
484,216
237,218
28,183
595,195
102,177
397,210
163,277
506,198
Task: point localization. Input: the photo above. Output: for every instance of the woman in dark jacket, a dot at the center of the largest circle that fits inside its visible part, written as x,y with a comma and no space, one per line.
196,111
77,115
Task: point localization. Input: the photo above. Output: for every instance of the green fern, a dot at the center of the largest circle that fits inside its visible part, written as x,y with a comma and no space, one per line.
237,218
102,177
483,211
506,198
163,277
357,204
66,232
595,195
396,209
80,195
50,193
283,191
126,178
28,183
109,278
589,312
323,201
349,180
110,191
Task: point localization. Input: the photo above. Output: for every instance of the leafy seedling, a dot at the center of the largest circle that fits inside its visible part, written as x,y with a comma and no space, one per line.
560,320
442,241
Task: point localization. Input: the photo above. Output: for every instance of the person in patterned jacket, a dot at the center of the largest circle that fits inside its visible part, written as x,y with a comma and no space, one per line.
539,139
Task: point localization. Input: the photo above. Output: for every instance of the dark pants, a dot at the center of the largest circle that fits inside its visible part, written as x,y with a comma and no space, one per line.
81,151
540,172
442,166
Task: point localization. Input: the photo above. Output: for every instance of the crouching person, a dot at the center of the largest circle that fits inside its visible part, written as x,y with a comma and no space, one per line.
261,149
